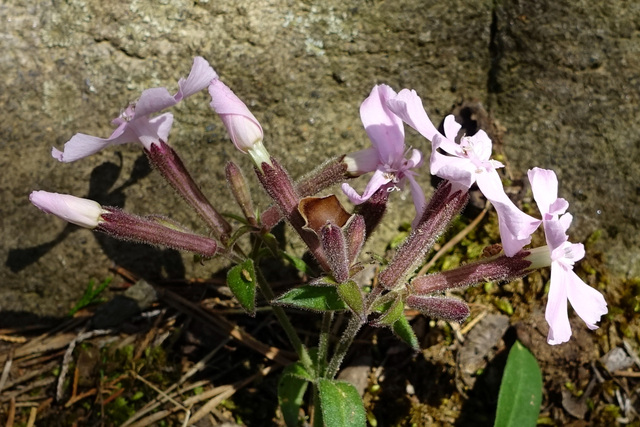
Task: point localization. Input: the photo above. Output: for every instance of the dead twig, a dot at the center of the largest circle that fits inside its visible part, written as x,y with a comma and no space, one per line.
169,398
40,383
12,412
32,417
69,354
80,396
26,377
224,327
6,370
196,368
9,338
210,405
144,344
628,374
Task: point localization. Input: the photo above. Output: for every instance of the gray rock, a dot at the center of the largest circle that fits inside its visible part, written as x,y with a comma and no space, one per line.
560,76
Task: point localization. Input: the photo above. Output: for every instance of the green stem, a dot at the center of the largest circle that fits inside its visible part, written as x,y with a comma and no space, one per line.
323,344
316,412
354,325
299,348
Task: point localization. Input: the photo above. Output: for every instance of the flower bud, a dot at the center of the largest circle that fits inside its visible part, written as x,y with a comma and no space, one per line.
168,163
240,191
243,128
152,230
449,309
83,212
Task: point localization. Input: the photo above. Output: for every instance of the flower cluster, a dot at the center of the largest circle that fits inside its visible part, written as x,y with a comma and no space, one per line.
333,235
467,162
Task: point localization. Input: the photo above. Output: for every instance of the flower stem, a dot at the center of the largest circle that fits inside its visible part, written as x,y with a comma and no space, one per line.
354,325
323,344
294,339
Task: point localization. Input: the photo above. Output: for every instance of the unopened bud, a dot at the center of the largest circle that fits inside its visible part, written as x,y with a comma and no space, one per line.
243,128
83,212
335,248
497,268
240,191
450,309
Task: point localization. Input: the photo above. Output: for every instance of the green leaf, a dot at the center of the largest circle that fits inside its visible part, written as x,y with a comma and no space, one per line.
291,388
392,311
352,296
324,281
520,391
404,331
317,298
340,404
298,370
241,279
271,242
298,263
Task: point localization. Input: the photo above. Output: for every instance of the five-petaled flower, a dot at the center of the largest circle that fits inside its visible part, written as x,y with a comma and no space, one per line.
565,285
467,163
387,156
135,124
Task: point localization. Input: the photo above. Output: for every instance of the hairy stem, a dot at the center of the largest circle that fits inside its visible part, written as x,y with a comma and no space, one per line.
354,325
299,348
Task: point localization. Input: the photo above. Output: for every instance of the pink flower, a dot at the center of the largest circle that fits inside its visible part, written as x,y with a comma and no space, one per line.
387,156
467,163
135,123
565,285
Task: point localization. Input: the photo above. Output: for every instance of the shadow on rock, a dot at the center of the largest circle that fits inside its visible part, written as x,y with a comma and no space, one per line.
140,259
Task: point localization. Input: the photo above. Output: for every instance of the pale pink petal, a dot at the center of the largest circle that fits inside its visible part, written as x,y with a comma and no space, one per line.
577,251
361,162
153,100
453,168
408,106
385,129
199,78
152,131
82,145
243,128
415,160
83,212
565,221
482,146
378,179
544,185
419,200
451,127
587,302
558,207
446,143
556,312
555,233
516,227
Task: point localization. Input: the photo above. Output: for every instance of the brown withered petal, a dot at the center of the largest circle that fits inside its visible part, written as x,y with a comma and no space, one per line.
317,211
